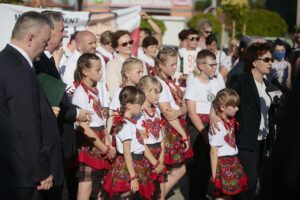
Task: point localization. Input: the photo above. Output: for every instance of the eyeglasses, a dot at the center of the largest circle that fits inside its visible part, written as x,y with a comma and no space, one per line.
125,44
211,65
266,60
208,32
194,38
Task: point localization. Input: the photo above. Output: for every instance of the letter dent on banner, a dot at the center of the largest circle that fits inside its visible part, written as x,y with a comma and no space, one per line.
189,61
74,21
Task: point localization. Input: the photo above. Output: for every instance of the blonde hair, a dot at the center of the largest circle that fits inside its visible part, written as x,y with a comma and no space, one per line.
162,57
149,83
226,97
127,66
203,54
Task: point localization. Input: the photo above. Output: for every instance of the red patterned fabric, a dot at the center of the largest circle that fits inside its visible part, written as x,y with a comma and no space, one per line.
151,70
230,177
117,180
90,155
231,125
161,178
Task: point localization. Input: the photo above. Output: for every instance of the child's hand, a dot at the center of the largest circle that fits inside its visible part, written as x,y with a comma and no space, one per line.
186,143
134,185
159,168
213,125
112,153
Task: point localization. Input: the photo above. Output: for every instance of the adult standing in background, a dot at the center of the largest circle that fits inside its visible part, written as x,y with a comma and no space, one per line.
205,29
85,43
30,128
122,43
253,112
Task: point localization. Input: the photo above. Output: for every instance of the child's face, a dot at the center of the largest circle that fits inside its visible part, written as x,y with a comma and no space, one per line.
230,111
135,108
94,73
152,95
208,67
151,50
135,74
169,68
192,41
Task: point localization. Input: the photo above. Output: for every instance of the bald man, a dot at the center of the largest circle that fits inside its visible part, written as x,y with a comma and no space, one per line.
85,43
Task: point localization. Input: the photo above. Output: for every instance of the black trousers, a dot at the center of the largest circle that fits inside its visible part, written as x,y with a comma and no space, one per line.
253,164
199,171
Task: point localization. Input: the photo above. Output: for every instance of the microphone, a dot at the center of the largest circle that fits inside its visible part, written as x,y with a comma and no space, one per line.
280,86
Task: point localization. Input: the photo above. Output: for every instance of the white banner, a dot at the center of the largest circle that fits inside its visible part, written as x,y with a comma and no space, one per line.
126,19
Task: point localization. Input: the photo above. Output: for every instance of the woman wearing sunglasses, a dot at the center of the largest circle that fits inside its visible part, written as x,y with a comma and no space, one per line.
122,43
253,112
205,29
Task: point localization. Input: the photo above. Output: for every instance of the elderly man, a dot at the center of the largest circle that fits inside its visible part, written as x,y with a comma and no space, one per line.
28,124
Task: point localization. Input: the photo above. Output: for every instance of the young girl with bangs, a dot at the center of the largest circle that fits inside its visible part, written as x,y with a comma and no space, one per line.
94,148
228,175
150,123
129,177
173,108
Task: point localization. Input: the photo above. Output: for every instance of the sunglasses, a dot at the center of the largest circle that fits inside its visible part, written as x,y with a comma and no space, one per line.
194,38
208,32
211,65
125,44
266,60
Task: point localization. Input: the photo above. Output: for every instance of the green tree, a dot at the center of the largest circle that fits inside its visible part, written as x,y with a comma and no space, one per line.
11,1
262,22
236,10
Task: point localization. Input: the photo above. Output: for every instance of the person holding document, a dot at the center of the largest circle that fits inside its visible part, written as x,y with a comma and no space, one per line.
69,113
28,126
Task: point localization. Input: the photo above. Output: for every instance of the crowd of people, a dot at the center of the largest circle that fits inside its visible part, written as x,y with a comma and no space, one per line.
138,126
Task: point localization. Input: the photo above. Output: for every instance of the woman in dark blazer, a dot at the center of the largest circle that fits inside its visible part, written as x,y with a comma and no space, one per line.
253,111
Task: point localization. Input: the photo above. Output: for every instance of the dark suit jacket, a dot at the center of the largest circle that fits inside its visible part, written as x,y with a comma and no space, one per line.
27,124
249,114
67,115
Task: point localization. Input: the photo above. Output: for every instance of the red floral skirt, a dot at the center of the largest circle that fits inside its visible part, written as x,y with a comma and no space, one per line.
117,180
88,153
155,149
230,176
174,149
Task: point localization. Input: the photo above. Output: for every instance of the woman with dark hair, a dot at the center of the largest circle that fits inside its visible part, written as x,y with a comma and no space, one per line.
253,111
123,44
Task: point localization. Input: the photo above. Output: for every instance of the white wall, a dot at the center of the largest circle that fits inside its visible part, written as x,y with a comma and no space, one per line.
174,26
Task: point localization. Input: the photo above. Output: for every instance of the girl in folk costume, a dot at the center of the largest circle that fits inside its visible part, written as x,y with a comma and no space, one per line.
129,177
228,174
150,47
173,109
131,73
151,124
199,94
94,149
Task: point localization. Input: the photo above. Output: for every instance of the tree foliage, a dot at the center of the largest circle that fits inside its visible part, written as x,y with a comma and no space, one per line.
236,10
194,22
265,23
11,1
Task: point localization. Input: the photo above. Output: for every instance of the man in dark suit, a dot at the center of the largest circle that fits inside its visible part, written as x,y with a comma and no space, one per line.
69,113
28,124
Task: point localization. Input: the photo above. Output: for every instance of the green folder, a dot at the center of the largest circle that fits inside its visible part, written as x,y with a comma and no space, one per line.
53,88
